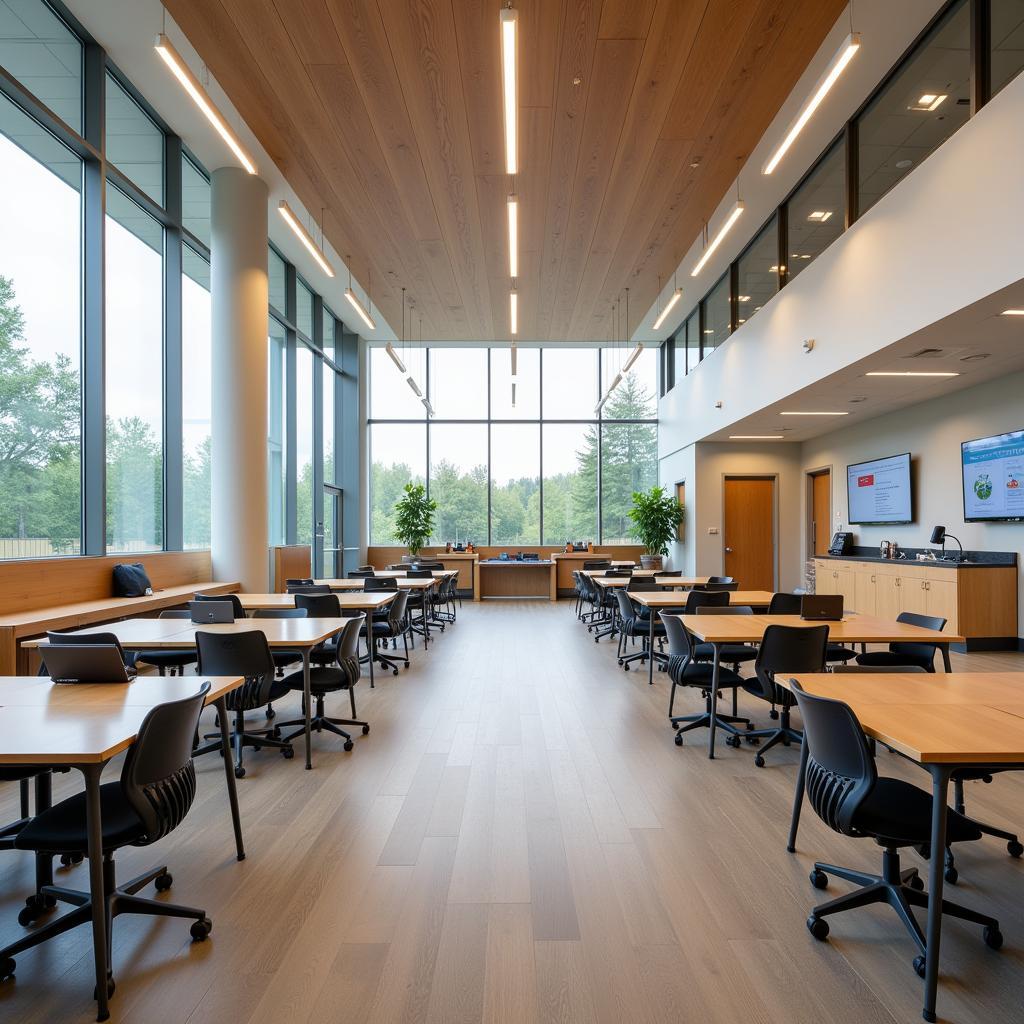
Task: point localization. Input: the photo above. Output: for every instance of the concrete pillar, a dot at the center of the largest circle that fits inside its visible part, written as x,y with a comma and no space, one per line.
239,304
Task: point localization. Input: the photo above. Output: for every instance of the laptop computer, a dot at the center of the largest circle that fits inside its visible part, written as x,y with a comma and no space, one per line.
85,663
822,607
209,612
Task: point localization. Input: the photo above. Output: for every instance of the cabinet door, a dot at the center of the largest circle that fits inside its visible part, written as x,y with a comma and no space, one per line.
846,585
914,595
864,593
825,578
888,600
941,600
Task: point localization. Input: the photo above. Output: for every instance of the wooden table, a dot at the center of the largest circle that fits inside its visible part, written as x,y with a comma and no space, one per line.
682,582
655,601
404,583
84,726
943,722
301,635
719,630
514,578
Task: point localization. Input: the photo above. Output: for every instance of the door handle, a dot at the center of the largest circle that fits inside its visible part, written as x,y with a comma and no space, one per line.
728,551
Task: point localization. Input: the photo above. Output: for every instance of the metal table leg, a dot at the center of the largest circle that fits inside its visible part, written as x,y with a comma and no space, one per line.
936,867
650,649
307,699
229,775
94,826
798,798
945,658
426,626
714,700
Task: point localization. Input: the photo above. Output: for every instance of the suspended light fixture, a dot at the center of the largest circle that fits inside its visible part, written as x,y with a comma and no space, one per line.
390,349
509,24
717,240
677,294
513,236
846,52
304,237
170,56
363,312
633,357
513,312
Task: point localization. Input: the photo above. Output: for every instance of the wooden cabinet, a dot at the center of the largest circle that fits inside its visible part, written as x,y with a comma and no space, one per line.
978,603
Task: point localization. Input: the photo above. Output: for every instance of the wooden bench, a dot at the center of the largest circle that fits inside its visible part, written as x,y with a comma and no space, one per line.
64,593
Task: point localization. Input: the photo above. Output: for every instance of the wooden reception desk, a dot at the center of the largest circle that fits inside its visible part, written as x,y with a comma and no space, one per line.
512,578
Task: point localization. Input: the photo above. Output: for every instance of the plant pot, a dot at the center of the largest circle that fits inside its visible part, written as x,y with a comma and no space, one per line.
651,562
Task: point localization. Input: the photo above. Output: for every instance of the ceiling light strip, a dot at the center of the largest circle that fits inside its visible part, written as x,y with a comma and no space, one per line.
513,312
363,312
911,373
509,24
513,236
201,98
304,237
669,306
846,52
390,349
717,240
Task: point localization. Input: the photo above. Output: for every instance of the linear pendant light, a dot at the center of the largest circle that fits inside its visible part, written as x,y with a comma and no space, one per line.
363,312
633,357
509,25
842,57
390,349
676,296
717,240
201,98
304,237
513,236
513,312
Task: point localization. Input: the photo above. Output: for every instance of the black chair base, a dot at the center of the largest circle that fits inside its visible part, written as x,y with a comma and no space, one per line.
242,738
729,724
900,889
322,722
784,734
119,899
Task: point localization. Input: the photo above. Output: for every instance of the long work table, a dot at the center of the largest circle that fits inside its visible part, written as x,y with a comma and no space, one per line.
943,722
498,577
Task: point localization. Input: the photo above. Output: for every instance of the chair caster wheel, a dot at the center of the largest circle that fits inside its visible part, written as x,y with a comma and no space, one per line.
200,931
773,715
818,927
679,739
394,671
819,879
733,741
759,761
1014,848
919,966
163,882
366,729
69,859
271,713
993,937
951,875
7,968
239,773
287,753
26,916
348,745
110,988
917,882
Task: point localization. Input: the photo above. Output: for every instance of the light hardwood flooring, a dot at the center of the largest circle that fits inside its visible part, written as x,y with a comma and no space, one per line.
518,839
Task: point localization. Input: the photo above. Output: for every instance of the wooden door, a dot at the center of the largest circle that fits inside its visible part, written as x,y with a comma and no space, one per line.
821,511
749,531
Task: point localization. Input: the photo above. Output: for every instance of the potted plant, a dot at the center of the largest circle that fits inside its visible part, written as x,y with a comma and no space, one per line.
656,517
414,517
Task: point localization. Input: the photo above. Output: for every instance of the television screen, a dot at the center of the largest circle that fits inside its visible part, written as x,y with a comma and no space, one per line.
993,469
879,491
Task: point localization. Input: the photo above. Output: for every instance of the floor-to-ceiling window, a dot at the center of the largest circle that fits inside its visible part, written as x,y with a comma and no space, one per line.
196,399
513,458
277,431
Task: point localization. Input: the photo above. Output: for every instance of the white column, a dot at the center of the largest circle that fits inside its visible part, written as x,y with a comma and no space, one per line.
239,429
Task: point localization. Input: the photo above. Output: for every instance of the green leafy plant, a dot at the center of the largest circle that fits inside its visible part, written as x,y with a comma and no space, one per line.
656,517
414,517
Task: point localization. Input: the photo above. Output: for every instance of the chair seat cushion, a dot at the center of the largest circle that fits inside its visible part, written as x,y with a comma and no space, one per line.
62,828
837,652
699,674
732,654
884,658
283,658
900,812
166,658
321,680
779,694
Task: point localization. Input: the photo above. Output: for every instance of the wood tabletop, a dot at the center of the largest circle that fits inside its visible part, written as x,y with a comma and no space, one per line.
156,633
653,599
659,581
402,582
42,722
387,574
359,599
955,718
852,628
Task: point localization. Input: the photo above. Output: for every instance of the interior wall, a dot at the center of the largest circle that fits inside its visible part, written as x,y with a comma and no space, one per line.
932,432
680,467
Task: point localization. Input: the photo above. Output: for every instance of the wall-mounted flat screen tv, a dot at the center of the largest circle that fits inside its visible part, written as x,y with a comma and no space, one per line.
993,470
878,492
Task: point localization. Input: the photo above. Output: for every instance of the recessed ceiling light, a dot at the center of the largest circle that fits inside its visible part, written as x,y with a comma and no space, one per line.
755,437
843,413
708,330
928,102
743,298
1012,312
820,216
911,373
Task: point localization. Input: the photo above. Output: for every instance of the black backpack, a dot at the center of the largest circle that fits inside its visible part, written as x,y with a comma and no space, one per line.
130,580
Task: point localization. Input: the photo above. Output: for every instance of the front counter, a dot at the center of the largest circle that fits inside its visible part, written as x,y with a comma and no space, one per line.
512,578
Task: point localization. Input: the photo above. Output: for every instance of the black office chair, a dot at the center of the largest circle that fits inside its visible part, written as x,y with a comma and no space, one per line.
669,572
723,586
431,565
716,602
846,792
696,599
364,568
922,654
37,904
784,649
361,574
321,605
394,625
645,583
283,657
243,654
596,564
152,797
442,600
721,580
164,660
632,626
342,675
233,599
791,604
307,582
312,588
685,670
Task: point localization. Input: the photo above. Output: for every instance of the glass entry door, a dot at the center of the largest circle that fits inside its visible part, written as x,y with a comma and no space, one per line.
329,557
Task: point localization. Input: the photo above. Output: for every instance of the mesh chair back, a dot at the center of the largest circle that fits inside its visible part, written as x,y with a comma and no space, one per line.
840,769
785,604
789,649
279,613
705,599
319,606
680,647
235,601
239,654
625,607
380,583
925,652
396,613
158,778
348,648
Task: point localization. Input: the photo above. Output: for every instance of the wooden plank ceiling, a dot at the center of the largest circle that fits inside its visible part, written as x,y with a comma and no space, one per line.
635,116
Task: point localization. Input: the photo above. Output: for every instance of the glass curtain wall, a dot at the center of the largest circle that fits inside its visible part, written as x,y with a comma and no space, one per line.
196,399
542,469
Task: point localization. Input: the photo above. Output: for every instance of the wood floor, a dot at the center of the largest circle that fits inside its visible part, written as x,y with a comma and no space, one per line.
518,839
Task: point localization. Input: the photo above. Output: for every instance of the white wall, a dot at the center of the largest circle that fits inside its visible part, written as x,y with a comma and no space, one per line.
947,236
680,467
932,432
